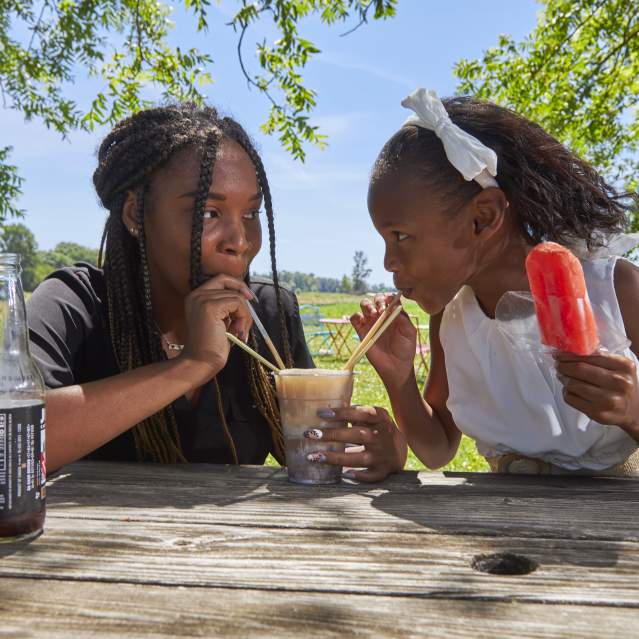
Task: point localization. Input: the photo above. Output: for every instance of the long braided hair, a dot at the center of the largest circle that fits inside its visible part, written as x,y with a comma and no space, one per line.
127,160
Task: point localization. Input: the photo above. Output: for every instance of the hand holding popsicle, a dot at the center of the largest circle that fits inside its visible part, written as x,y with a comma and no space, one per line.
602,386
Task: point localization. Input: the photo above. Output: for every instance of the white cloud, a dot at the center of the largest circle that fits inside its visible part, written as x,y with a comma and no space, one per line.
340,124
375,71
32,140
225,8
290,175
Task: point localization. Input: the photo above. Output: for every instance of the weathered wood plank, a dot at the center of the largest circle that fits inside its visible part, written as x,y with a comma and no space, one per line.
405,481
406,564
61,610
570,508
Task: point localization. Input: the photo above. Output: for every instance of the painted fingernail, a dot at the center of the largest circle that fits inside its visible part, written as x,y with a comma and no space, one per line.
326,413
348,474
313,433
316,457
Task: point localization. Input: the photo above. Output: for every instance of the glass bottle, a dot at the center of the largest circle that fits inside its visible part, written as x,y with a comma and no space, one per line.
22,415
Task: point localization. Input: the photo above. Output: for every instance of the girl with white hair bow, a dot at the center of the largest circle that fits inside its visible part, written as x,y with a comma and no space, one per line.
460,194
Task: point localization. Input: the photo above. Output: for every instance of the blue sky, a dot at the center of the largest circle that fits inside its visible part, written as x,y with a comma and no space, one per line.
320,206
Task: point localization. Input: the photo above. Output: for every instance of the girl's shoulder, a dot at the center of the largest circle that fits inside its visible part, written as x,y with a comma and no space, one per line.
81,286
613,283
458,311
267,309
626,284
626,276
68,327
264,290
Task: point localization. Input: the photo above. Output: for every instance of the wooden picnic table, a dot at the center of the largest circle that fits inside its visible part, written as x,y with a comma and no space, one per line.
340,332
133,550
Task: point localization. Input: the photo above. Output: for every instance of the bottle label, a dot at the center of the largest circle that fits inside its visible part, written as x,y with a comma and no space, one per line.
22,459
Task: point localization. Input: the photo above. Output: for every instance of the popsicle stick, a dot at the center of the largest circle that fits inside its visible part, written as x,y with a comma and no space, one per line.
260,327
389,320
373,330
251,352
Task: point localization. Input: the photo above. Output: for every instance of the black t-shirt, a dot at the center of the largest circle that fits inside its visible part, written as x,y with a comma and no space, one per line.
68,331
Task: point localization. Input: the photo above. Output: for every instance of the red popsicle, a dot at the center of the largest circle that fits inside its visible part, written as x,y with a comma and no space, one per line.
563,309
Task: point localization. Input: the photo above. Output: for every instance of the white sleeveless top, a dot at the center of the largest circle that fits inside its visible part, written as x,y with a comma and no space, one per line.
507,397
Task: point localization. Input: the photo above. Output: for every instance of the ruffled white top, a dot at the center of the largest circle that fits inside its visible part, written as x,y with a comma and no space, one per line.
505,394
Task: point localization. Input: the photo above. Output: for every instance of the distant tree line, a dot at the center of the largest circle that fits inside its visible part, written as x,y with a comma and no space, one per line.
309,282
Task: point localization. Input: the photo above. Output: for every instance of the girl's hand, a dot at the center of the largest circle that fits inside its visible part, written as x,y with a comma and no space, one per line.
382,447
217,306
603,386
394,352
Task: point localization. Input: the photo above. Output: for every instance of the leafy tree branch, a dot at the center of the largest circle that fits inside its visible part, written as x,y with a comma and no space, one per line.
125,45
576,75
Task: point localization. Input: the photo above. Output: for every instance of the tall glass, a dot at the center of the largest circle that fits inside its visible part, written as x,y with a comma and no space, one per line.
301,393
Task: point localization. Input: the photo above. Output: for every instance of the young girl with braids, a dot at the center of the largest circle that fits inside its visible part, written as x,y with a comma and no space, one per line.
135,354
460,194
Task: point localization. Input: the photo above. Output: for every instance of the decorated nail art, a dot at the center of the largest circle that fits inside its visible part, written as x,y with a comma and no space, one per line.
313,433
326,413
316,457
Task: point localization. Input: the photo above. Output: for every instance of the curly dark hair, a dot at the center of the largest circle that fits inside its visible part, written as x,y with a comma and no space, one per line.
555,195
127,160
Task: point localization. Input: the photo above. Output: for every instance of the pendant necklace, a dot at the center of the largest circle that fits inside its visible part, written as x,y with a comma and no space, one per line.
170,345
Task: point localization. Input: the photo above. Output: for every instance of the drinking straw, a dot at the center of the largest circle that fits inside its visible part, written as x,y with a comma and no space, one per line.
250,351
260,327
362,351
374,328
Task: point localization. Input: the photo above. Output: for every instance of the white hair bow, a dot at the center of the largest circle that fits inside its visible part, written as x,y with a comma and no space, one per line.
474,160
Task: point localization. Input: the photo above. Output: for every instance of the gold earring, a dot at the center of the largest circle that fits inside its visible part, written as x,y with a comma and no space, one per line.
133,230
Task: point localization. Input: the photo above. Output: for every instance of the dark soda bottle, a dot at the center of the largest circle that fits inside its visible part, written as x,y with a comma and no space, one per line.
22,458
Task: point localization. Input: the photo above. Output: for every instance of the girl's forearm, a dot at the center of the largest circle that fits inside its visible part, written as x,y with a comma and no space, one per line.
83,417
423,429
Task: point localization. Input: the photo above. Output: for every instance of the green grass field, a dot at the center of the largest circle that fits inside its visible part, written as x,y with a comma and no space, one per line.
369,388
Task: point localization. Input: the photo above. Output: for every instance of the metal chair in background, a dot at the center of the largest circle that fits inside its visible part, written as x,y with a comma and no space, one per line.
317,338
341,336
422,347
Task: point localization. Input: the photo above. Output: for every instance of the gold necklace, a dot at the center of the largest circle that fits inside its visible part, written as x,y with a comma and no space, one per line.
170,345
